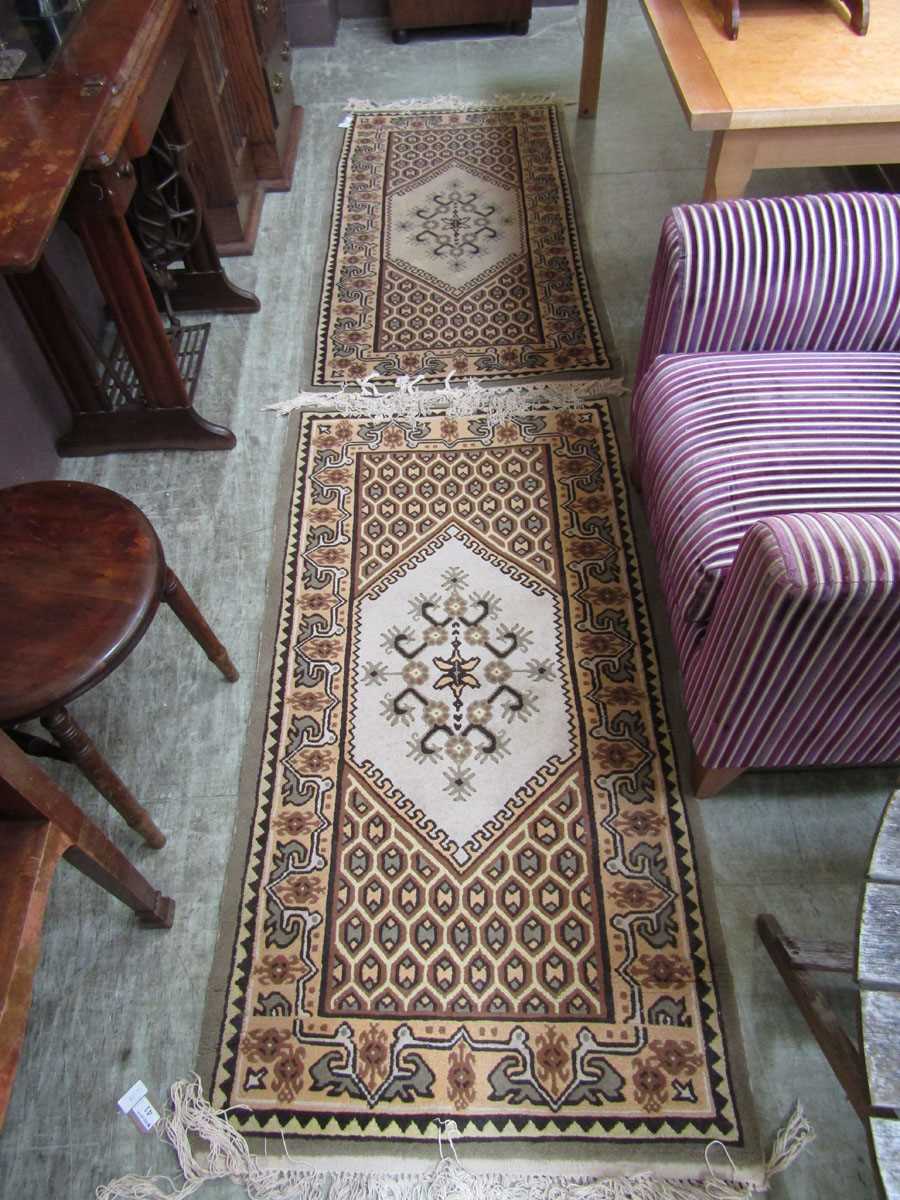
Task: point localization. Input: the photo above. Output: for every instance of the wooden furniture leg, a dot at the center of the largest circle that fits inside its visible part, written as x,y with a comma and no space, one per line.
592,57
859,16
732,157
97,209
204,284
192,619
84,754
39,824
731,14
794,960
709,781
44,306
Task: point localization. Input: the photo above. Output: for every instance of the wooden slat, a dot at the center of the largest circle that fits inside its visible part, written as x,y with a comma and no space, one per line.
886,1141
881,1043
885,864
818,954
879,937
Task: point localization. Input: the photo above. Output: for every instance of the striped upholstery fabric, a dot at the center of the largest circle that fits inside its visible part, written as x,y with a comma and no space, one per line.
766,430
794,273
724,440
801,661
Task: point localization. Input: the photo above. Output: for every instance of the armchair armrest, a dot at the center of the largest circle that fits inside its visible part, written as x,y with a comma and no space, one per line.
801,660
792,273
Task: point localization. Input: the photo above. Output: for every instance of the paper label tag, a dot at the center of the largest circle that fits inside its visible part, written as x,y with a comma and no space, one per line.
136,1105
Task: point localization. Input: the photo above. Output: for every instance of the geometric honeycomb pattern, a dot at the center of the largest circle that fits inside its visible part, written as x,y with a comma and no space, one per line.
514,939
500,493
465,142
500,312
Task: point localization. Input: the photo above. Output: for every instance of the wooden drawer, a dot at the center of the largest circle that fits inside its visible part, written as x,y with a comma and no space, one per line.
421,14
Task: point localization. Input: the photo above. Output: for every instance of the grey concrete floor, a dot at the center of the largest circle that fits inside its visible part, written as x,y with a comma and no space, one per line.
112,1002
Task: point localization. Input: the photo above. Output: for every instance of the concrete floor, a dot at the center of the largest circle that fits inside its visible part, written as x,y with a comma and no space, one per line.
113,1003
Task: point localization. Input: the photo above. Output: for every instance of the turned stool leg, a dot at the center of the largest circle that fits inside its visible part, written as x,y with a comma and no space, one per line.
189,615
84,754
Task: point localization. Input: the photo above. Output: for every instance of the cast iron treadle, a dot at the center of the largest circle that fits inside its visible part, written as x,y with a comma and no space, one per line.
121,384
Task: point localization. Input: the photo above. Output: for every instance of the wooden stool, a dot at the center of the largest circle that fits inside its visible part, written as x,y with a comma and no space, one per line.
82,574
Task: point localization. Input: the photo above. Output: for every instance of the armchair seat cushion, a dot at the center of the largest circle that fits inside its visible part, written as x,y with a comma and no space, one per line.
722,441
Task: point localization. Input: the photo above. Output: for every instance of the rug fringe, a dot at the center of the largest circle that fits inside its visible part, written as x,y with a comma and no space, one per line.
454,103
405,397
229,1157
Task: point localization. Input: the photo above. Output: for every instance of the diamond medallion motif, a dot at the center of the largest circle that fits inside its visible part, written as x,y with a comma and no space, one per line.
461,691
456,227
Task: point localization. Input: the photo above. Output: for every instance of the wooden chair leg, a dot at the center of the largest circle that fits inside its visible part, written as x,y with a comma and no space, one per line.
192,619
96,857
84,754
709,781
844,1058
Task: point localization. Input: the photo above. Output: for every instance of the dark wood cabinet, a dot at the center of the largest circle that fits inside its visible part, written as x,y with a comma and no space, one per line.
425,14
236,106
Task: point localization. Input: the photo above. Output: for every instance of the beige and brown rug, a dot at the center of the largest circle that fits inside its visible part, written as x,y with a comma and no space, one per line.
454,248
465,887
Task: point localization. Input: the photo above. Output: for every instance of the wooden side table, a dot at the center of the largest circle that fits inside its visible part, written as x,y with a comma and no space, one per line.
795,90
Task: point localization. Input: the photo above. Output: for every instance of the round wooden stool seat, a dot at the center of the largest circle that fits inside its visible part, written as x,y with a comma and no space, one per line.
81,576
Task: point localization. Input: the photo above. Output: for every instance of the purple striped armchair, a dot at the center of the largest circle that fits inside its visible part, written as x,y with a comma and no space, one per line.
765,423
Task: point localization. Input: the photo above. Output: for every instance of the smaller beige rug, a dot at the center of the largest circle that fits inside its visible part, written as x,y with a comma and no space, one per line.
454,248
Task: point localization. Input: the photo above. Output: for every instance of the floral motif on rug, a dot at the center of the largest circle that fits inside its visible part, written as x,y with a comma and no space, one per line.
454,247
470,889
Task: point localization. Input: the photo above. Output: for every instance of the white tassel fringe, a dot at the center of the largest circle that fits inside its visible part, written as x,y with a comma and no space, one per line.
229,1157
454,103
404,398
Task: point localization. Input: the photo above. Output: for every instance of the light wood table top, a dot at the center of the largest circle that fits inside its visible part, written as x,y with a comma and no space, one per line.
795,63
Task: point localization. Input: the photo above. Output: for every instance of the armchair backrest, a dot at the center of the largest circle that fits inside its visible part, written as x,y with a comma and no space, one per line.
793,273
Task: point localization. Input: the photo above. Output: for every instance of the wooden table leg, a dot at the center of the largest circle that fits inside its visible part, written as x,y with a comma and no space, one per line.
843,1057
194,622
97,208
97,857
732,157
44,304
592,57
84,754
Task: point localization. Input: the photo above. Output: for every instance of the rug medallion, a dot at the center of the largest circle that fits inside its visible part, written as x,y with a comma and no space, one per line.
469,889
454,247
